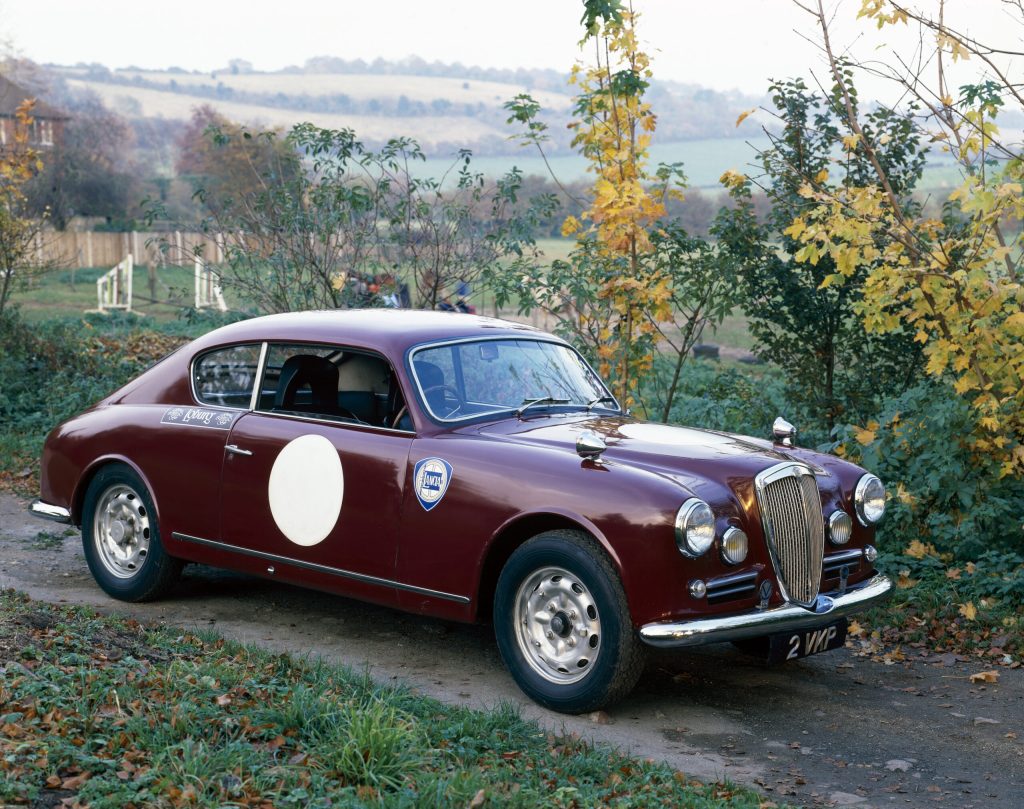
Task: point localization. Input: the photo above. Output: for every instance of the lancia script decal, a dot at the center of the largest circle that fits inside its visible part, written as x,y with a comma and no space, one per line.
199,417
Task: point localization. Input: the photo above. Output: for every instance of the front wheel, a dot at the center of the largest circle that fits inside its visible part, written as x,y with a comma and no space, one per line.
563,625
121,538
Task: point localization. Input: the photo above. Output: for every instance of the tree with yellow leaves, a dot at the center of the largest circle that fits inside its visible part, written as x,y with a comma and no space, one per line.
634,285
613,131
19,231
954,278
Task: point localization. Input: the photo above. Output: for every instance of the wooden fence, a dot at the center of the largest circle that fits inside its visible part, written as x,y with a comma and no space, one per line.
72,249
75,249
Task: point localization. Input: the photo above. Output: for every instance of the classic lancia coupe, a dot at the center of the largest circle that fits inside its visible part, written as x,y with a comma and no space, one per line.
470,469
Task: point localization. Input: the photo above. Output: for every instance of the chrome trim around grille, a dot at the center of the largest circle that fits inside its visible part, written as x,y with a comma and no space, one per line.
757,623
794,527
49,512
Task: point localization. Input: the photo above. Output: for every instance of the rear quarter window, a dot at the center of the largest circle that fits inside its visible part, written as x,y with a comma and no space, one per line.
225,377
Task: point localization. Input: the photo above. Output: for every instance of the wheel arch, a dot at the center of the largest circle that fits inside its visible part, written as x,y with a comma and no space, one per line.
513,533
93,469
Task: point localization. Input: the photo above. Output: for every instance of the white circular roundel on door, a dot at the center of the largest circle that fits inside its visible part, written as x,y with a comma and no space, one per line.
306,489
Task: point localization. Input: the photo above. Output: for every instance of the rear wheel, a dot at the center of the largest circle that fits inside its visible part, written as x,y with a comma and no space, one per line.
563,625
121,538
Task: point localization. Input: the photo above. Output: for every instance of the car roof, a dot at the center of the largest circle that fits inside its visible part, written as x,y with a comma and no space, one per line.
391,331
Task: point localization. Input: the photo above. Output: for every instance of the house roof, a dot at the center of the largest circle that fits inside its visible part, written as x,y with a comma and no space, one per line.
12,95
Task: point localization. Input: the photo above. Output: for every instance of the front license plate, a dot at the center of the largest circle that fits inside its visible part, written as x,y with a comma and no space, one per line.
794,645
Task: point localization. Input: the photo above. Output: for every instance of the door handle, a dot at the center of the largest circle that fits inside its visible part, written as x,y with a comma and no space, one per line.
237,450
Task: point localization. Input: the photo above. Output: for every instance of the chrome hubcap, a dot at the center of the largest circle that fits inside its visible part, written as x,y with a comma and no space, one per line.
121,531
557,625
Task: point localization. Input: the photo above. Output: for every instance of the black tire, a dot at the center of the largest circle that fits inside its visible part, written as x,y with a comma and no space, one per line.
117,502
595,680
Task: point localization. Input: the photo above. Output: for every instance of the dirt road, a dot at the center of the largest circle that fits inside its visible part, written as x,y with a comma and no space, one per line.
836,729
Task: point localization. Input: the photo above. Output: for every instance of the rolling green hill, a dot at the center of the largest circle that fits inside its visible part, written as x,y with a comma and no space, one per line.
444,113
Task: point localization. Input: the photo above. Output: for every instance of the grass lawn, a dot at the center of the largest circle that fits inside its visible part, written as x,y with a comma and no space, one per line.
73,292
107,713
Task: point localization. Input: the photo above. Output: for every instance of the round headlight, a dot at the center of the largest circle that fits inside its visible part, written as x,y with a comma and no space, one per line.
734,546
869,499
695,527
840,528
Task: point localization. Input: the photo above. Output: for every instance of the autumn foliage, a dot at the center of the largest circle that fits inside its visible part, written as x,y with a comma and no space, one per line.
955,278
613,131
19,163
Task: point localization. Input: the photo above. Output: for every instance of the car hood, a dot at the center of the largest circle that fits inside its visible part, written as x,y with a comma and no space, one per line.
690,456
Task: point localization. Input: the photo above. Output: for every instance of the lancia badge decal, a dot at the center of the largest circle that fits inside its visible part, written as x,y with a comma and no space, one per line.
431,477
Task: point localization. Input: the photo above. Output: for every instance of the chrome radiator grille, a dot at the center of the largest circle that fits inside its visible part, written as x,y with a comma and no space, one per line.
790,505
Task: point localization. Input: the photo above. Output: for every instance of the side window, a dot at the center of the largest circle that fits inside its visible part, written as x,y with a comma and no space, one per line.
225,377
332,383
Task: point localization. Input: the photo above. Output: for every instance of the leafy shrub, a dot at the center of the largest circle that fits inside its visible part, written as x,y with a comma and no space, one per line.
52,370
722,397
941,490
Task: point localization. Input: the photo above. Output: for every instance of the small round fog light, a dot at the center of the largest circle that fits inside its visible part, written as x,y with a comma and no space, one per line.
870,553
734,546
698,589
840,528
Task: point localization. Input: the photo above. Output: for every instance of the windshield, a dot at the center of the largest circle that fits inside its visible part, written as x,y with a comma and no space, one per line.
468,379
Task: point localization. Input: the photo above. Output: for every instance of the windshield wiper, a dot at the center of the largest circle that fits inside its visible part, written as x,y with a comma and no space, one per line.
543,400
594,402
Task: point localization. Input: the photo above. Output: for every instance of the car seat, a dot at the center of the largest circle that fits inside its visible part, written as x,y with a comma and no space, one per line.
320,375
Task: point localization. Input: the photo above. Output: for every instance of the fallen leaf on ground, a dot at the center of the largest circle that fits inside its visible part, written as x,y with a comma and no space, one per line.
985,677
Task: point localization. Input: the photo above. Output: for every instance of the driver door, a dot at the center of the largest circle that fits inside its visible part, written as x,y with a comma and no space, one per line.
314,478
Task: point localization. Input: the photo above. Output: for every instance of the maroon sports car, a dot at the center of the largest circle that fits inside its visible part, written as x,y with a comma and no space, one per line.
470,469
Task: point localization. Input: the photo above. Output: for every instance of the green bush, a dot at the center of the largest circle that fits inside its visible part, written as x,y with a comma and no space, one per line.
50,371
714,396
940,493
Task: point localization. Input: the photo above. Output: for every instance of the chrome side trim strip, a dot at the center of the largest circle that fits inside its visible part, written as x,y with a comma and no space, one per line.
313,419
756,623
56,513
333,571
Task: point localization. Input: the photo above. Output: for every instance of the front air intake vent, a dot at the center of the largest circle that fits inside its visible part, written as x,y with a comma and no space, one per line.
732,588
787,495
835,562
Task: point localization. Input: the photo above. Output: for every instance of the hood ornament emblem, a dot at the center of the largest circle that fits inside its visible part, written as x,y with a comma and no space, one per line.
783,432
589,446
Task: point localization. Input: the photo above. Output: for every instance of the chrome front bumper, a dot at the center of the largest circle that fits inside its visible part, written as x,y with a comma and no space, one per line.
787,618
46,511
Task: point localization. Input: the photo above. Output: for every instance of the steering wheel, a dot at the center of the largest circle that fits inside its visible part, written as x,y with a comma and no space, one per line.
398,417
447,389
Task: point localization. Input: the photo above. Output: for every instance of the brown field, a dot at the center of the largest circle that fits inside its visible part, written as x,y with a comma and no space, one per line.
428,130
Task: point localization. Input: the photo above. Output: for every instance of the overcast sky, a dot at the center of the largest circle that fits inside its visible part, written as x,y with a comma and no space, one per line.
725,44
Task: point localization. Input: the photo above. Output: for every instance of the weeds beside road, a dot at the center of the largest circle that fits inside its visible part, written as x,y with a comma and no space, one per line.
107,713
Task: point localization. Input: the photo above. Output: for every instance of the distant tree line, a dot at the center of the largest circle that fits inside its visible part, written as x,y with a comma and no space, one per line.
685,111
